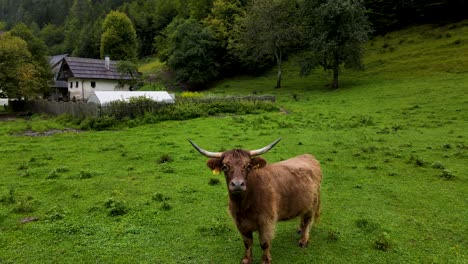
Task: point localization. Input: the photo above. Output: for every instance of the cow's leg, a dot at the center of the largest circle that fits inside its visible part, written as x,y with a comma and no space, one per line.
266,235
248,242
306,222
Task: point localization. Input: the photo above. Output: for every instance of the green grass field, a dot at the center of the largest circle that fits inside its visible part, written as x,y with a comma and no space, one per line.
392,142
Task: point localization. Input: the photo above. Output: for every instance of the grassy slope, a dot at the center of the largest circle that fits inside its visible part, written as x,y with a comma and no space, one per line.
382,139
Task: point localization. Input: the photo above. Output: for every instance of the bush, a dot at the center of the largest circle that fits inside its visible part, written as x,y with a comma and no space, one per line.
115,207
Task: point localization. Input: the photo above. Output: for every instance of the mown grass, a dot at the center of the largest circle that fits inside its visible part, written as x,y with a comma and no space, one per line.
391,141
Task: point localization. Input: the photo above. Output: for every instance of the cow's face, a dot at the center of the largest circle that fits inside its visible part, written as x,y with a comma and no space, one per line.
236,165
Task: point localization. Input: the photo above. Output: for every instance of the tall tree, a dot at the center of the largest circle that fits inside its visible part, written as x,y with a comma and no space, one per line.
224,15
42,73
118,39
53,36
270,28
149,17
191,51
78,18
19,77
337,30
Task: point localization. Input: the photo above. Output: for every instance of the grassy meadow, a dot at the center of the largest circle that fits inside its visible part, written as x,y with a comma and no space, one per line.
392,141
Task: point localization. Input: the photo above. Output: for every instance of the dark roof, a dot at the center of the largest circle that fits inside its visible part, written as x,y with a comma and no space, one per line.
60,84
85,68
53,60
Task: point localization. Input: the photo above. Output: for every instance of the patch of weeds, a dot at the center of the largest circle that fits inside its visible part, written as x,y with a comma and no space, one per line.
55,214
115,207
165,206
27,205
76,196
369,149
372,167
438,165
158,197
417,161
165,158
333,235
218,228
3,216
447,146
24,174
130,168
23,166
166,168
85,174
53,175
447,175
383,242
284,124
361,120
8,198
214,181
367,225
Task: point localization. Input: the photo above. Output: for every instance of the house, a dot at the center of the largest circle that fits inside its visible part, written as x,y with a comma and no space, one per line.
104,97
83,76
59,88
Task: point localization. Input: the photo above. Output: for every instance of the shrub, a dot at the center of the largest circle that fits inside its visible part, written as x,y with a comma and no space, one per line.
25,206
8,198
165,206
383,242
158,197
165,158
333,235
55,214
115,207
213,181
53,175
84,174
447,175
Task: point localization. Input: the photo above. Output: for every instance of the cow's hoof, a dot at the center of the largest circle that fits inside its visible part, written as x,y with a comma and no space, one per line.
266,260
246,261
303,244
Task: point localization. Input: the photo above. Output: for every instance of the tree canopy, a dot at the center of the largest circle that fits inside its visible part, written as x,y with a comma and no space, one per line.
236,36
118,39
335,34
19,77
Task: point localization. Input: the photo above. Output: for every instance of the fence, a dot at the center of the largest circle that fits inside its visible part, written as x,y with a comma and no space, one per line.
77,109
120,109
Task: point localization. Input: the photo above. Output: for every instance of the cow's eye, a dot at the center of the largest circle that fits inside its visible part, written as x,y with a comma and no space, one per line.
248,167
225,167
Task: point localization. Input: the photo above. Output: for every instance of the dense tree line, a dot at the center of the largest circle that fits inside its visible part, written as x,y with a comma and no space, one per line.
203,40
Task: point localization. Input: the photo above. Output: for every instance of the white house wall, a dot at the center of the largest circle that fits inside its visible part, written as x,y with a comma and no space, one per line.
84,89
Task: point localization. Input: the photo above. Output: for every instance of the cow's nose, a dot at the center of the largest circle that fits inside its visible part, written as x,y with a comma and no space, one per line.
238,185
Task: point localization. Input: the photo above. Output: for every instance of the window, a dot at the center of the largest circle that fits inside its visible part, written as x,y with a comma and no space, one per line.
71,84
76,84
93,84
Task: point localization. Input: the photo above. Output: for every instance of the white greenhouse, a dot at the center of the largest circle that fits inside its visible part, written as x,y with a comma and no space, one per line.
104,97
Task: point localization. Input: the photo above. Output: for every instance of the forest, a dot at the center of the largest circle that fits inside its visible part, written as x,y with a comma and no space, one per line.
206,40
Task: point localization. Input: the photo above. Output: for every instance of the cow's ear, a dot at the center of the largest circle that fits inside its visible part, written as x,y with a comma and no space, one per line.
215,165
257,162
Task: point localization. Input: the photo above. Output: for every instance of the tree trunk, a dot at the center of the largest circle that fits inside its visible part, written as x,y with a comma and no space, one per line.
336,69
278,62
335,78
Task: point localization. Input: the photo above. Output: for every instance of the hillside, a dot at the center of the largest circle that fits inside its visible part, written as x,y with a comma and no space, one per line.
392,143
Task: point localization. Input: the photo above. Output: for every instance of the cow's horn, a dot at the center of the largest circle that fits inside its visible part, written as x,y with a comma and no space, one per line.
206,153
263,150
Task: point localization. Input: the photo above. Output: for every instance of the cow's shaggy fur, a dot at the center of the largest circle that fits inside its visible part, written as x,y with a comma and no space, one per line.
261,194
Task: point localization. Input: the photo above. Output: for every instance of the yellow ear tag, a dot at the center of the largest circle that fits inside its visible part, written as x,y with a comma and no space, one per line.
215,172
